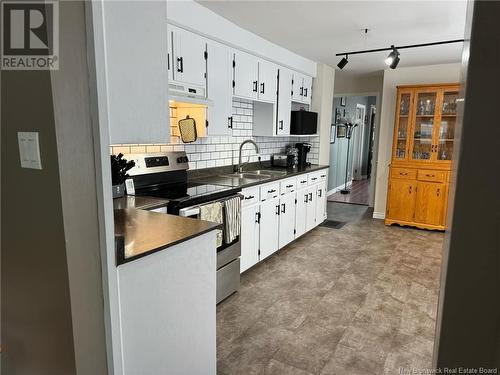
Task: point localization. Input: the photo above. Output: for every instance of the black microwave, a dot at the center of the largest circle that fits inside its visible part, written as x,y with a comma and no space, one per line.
303,122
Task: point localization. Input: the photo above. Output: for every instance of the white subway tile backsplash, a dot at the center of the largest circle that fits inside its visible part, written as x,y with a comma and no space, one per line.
214,151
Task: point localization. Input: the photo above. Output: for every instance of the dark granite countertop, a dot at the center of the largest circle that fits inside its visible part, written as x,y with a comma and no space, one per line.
139,233
212,175
139,202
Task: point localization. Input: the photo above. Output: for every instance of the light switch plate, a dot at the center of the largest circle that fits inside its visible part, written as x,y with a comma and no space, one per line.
29,150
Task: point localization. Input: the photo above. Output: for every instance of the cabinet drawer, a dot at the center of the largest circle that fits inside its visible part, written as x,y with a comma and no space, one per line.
251,196
431,175
323,174
269,191
288,186
313,178
301,181
406,173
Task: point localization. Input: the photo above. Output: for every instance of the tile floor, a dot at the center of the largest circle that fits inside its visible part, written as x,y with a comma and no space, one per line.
357,300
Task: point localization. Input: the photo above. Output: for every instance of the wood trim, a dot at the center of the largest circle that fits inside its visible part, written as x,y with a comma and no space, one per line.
416,225
427,85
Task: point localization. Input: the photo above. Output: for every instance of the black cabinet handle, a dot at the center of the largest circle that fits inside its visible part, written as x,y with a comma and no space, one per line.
230,122
314,178
271,191
257,217
283,208
310,197
303,182
305,199
254,86
320,193
168,61
262,88
180,64
277,209
281,124
305,92
302,91
250,197
288,186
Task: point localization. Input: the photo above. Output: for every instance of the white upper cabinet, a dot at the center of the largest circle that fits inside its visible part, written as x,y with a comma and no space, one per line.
219,77
136,87
301,88
268,81
284,101
245,75
188,61
254,78
307,85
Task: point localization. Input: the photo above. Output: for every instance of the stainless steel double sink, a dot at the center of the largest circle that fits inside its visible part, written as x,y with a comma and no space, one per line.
259,174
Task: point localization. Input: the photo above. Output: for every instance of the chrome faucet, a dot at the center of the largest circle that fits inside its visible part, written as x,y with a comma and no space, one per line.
239,168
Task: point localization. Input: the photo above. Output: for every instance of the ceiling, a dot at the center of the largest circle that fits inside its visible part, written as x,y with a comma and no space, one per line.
320,29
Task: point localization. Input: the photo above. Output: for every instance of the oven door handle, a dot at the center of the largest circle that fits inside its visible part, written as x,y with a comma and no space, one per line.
189,211
195,210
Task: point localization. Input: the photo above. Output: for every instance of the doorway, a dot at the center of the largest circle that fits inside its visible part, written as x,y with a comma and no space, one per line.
351,157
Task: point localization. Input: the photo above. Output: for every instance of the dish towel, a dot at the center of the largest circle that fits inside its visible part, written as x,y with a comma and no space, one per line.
213,212
232,209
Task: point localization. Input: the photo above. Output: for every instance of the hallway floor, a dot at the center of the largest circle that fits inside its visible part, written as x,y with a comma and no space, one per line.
360,192
357,300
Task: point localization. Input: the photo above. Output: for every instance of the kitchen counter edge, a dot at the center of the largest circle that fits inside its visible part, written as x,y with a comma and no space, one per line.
144,222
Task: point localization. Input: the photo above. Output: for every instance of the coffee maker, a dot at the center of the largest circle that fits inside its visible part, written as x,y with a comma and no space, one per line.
302,149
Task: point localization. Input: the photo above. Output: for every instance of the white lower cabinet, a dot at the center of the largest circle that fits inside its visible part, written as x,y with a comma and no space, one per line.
301,212
286,219
269,227
311,208
270,221
250,222
320,203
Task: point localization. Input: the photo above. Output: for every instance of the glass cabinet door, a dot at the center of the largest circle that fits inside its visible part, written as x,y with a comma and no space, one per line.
425,110
403,126
448,121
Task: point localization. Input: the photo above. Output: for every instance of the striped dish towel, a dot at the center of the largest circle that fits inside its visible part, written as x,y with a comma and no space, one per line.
232,209
213,212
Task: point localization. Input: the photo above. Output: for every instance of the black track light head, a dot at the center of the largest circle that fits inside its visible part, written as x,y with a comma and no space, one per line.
393,59
342,62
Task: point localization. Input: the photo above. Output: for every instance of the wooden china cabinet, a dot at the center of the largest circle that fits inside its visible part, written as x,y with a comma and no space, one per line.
419,176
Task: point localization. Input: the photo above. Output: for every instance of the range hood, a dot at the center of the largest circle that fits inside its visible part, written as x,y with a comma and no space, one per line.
187,91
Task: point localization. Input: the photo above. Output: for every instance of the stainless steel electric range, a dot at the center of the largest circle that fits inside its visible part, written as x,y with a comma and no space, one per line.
164,175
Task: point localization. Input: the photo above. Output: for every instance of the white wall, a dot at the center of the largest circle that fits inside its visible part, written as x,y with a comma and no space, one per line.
442,73
346,83
322,98
196,17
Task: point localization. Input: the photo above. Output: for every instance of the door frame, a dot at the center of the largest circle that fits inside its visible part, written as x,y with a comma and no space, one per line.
371,122
378,104
358,146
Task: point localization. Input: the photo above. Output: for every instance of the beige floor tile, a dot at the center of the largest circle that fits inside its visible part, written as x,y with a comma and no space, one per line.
357,300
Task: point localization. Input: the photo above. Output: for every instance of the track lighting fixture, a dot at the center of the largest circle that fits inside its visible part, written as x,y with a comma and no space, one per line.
342,62
393,59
